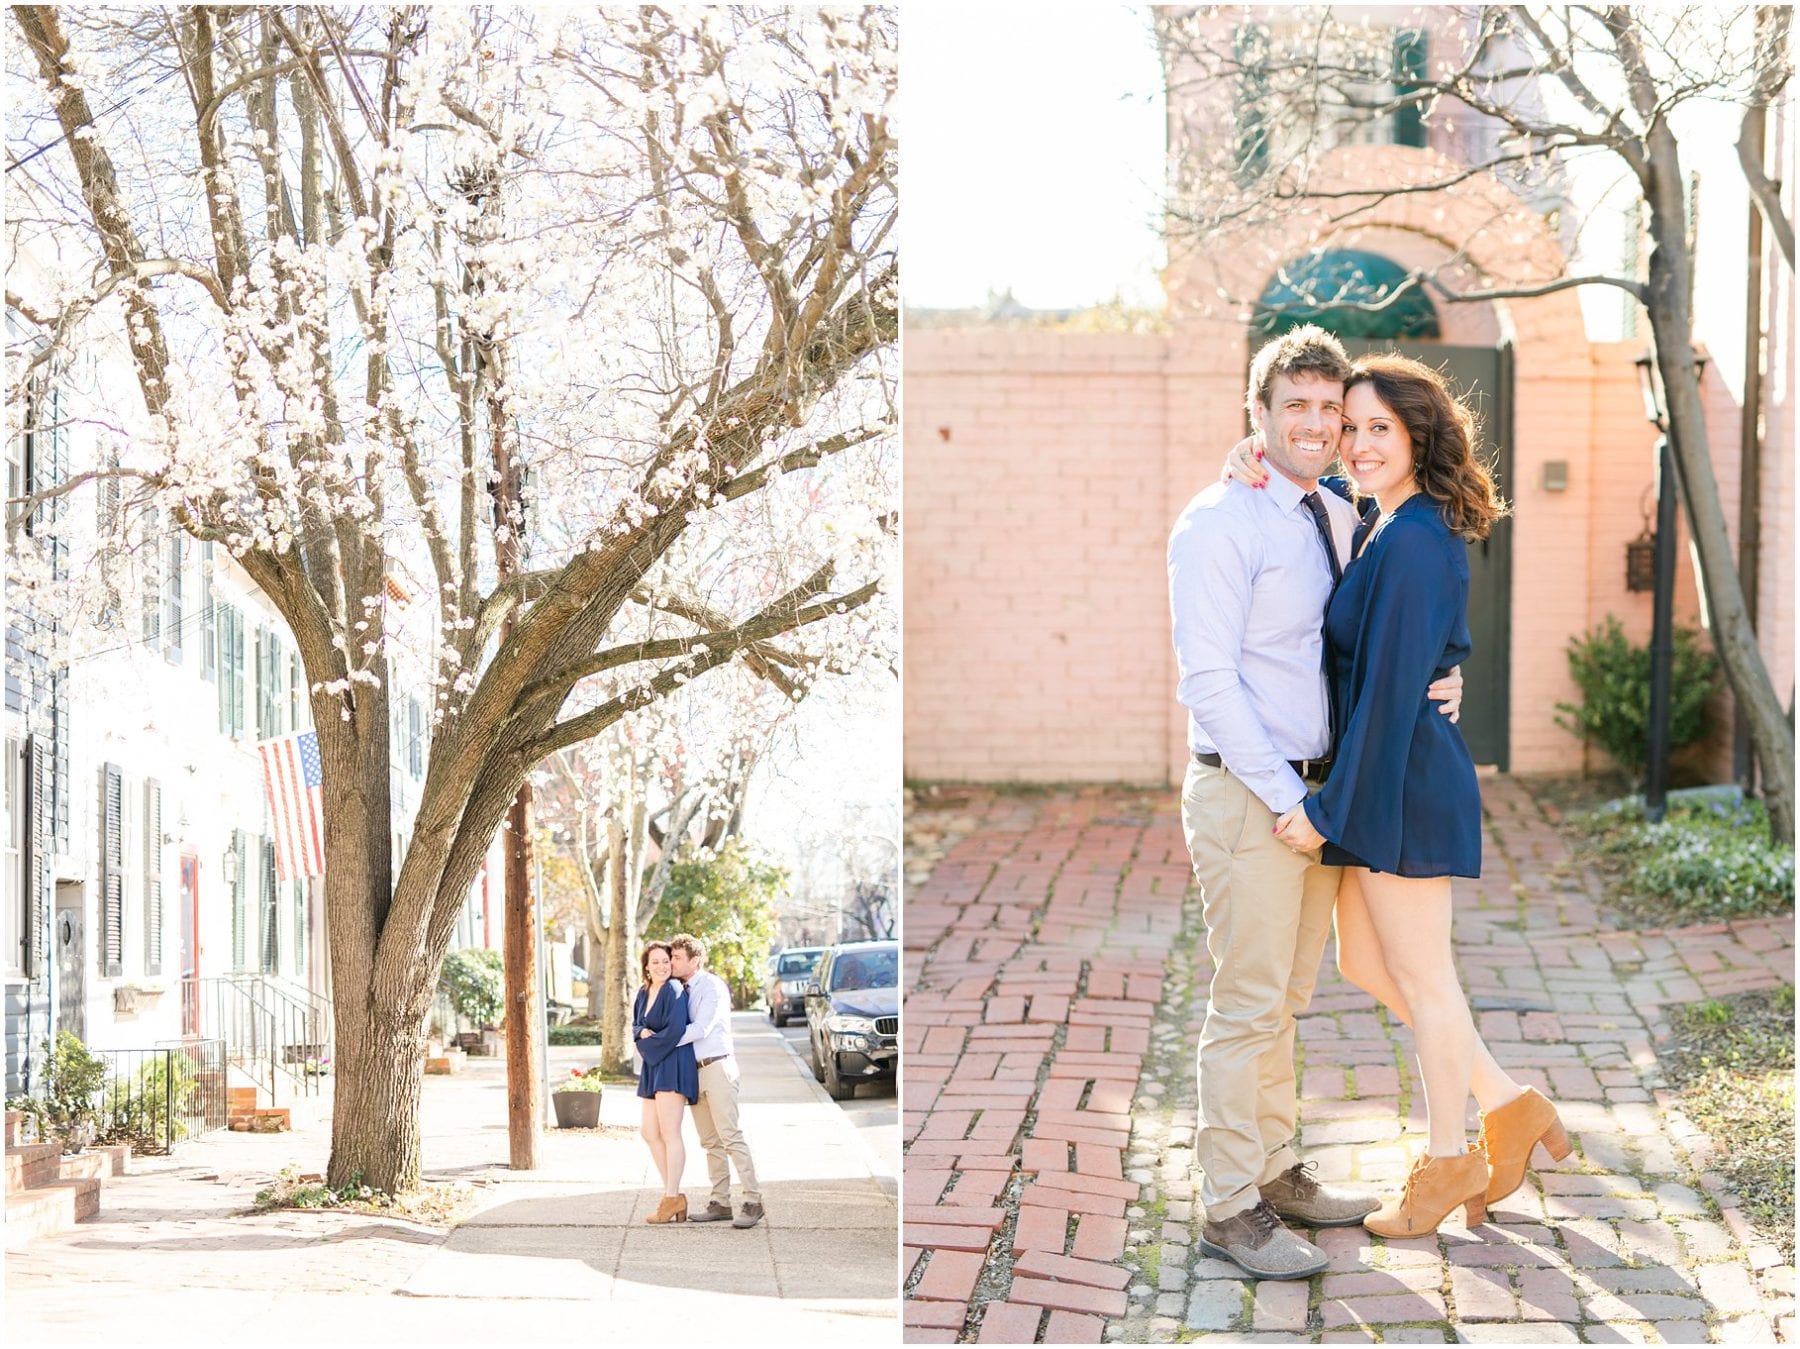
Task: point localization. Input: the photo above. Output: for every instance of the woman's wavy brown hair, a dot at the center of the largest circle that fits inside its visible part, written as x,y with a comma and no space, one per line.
644,960
1443,435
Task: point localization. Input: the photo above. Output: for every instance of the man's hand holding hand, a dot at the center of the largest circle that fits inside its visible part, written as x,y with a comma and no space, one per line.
1296,830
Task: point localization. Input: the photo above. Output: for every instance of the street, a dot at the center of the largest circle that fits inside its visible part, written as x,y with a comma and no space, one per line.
874,1110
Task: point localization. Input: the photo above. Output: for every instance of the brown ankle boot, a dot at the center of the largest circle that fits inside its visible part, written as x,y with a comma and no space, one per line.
1434,1187
673,1209
1510,1133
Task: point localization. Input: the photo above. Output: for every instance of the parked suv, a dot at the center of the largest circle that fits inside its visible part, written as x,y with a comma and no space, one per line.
853,1016
789,973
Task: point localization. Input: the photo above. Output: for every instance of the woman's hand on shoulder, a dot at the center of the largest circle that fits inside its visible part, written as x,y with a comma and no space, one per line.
1244,463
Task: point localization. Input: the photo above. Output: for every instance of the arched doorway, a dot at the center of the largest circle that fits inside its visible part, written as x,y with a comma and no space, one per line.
1363,298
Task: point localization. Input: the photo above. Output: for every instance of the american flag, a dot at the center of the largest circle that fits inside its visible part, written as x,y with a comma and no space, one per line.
294,782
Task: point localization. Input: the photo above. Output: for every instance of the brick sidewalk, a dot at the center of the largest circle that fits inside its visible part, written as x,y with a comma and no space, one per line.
1057,980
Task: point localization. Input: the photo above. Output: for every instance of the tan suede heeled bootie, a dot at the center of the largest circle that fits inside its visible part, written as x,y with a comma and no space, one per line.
1510,1133
673,1209
1434,1187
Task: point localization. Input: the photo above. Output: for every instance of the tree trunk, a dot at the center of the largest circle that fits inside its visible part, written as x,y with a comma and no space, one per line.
379,1072
1734,638
614,1029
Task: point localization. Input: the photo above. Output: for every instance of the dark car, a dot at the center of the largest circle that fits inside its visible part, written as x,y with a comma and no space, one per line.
790,972
853,1016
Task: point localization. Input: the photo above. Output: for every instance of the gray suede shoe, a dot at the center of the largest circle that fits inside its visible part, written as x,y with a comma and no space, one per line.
1257,1243
1298,1197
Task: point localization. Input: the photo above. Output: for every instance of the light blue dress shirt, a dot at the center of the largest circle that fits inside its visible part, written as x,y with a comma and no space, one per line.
1248,585
709,1016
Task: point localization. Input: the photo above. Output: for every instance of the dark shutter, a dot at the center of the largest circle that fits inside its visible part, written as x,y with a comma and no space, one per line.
109,497
1409,73
271,917
172,598
112,872
240,947
209,619
37,900
153,859
151,549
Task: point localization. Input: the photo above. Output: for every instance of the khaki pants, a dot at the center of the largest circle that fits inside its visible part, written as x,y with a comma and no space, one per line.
1268,912
716,1119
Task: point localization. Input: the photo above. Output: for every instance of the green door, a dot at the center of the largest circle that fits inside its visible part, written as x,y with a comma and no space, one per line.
1483,377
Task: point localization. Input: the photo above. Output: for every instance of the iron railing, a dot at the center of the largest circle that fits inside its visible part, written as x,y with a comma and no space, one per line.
154,1098
271,1031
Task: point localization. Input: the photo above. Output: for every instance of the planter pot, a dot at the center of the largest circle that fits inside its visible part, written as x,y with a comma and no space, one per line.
576,1109
490,1041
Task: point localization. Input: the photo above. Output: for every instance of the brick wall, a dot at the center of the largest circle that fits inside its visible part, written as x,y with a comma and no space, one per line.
1037,644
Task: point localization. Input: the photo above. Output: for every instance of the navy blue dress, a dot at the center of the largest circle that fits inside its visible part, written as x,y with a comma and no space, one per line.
667,1066
1401,796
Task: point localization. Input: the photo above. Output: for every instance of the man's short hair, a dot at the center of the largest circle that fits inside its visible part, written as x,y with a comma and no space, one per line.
690,946
1308,349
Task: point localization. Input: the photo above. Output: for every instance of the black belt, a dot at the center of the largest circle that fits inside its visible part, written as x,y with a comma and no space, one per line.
714,1059
1310,770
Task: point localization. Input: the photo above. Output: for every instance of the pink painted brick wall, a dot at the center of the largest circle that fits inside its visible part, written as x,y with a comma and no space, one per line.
1037,644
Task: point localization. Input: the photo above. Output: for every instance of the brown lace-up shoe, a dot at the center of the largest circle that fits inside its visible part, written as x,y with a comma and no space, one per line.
1434,1186
1298,1196
1257,1243
749,1215
1510,1133
714,1212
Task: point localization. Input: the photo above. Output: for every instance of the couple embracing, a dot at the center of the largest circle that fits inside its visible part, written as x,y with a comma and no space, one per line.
1316,624
681,1026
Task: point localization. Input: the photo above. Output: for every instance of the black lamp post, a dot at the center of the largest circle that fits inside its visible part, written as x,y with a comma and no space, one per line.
1662,611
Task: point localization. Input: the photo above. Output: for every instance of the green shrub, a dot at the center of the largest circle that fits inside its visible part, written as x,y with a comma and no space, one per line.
138,1110
473,978
69,1109
1614,678
1704,860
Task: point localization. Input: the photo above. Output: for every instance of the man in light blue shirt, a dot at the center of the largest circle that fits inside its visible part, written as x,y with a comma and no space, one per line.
716,1112
1250,574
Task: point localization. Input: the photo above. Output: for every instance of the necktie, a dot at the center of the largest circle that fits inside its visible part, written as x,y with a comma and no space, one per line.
1323,523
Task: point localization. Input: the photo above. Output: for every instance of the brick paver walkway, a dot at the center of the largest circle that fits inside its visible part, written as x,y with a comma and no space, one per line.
1057,979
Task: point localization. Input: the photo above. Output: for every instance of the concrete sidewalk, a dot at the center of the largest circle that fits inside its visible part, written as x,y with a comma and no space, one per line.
560,1251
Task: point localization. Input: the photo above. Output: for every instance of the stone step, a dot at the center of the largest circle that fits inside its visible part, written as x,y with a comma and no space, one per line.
247,1121
15,1127
29,1164
54,1206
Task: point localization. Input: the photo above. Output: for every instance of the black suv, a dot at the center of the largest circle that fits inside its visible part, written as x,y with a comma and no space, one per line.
790,972
853,1016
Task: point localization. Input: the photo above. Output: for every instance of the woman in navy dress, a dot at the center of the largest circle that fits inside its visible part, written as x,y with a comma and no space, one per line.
1400,810
669,1080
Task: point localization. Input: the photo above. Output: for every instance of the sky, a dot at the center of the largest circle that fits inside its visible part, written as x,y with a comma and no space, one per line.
1033,155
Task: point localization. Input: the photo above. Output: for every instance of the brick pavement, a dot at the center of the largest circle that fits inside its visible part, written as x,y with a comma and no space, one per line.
1057,975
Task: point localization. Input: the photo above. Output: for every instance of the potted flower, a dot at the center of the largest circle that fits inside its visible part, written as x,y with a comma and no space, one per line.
577,1099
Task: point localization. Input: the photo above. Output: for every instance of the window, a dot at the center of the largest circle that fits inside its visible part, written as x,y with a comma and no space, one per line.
300,708
1409,72
209,620
237,877
271,920
415,738
301,925
231,671
110,498
18,884
153,861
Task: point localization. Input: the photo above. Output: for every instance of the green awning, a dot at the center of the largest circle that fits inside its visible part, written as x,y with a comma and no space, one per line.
1348,292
